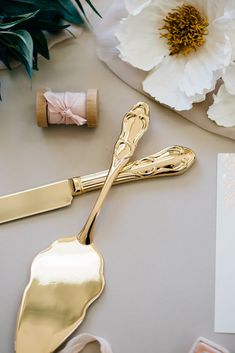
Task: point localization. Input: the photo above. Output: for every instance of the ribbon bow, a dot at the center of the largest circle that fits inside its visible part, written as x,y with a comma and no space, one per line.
66,108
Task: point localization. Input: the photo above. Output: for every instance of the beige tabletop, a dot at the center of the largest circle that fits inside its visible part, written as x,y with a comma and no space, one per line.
157,237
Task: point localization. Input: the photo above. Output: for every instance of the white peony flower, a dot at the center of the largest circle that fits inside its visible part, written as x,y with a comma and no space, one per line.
185,46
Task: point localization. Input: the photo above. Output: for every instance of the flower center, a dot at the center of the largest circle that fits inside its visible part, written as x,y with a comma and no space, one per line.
185,29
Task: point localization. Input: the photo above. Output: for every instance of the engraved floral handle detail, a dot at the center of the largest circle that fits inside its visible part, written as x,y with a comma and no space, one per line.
134,125
172,160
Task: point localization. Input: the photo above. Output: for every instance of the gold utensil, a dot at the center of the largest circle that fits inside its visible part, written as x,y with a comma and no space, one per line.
173,160
68,276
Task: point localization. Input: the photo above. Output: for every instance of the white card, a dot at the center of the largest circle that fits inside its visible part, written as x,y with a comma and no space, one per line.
225,245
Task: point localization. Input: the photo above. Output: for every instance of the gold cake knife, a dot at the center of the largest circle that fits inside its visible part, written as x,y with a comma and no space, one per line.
170,161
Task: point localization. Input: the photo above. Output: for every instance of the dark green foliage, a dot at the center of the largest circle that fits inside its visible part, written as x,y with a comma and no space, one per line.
22,26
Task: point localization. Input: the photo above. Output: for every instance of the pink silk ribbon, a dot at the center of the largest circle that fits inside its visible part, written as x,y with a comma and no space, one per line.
67,108
76,344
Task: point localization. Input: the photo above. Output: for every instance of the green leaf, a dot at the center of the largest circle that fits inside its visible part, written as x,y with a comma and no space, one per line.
45,20
40,43
16,7
93,7
5,56
20,44
46,25
35,62
65,7
23,18
82,9
22,23
69,12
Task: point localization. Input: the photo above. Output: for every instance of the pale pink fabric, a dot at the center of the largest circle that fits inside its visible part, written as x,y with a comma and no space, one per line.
76,344
206,346
67,108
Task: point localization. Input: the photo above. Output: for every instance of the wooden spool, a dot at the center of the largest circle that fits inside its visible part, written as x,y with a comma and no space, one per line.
91,108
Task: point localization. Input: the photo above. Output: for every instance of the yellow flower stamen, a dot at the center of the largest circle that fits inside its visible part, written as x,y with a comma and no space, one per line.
185,29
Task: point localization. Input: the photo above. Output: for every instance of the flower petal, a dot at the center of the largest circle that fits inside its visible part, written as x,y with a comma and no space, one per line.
213,9
222,111
204,7
224,9
135,6
162,84
166,6
229,78
231,35
206,65
140,42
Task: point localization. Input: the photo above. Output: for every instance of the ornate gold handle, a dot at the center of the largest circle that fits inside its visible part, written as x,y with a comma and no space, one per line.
172,160
134,125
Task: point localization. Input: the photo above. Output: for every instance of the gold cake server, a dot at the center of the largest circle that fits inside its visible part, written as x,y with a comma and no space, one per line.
173,160
68,276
